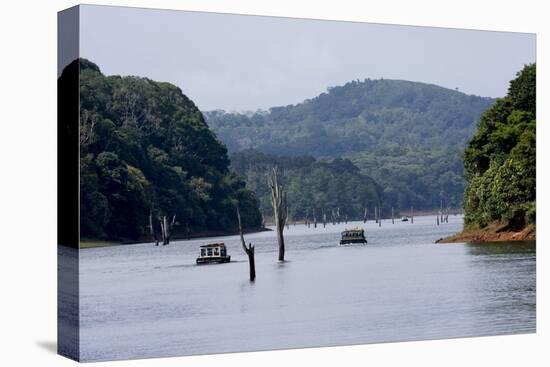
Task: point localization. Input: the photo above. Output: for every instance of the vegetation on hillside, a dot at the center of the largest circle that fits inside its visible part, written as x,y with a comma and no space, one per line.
145,147
310,185
407,136
500,159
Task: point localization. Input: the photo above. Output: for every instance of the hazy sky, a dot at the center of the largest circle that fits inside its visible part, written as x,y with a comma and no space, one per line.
237,62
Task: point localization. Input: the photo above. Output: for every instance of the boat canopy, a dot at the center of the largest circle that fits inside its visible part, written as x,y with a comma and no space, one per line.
221,244
213,250
353,232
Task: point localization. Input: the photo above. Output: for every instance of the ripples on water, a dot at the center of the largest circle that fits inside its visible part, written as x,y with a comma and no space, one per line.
145,301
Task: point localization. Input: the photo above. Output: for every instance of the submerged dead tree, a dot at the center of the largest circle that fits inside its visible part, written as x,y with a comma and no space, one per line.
314,219
152,229
249,250
166,229
280,210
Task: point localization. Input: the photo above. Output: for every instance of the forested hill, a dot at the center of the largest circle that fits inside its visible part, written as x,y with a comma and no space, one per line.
146,147
313,187
408,136
500,159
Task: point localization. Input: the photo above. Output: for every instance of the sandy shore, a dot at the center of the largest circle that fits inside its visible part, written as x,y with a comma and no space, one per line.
494,232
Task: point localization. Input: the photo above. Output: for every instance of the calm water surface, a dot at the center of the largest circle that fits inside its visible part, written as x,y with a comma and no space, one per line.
145,301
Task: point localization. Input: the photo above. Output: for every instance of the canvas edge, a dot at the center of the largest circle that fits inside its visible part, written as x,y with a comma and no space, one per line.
68,183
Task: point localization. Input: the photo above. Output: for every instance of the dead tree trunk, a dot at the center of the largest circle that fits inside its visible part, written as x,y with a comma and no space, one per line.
441,210
365,216
152,229
172,223
412,215
314,219
163,230
248,250
324,219
379,217
166,229
280,210
375,215
392,218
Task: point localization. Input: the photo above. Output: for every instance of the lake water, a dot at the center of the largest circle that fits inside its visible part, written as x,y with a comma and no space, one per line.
142,301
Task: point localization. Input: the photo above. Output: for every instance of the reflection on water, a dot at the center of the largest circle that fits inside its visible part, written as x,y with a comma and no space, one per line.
502,248
144,301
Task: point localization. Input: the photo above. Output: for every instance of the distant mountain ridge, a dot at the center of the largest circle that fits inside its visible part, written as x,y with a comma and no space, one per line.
408,136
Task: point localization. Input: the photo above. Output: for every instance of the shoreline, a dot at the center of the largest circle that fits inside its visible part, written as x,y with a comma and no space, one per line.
93,243
96,243
494,232
425,213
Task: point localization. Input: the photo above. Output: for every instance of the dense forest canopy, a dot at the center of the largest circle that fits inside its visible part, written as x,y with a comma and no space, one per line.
407,136
146,149
144,146
312,186
500,159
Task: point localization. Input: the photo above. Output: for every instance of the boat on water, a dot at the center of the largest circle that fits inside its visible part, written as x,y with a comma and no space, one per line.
351,236
404,219
213,253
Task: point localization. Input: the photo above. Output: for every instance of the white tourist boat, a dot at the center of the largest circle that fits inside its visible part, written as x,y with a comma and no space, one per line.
213,253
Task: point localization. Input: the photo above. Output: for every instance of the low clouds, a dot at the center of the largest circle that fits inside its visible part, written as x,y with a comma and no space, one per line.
236,62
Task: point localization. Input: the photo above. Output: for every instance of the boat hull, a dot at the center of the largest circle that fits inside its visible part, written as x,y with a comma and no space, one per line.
213,260
354,241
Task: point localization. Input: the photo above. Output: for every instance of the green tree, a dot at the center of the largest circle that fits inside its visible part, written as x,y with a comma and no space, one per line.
145,147
310,184
500,159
